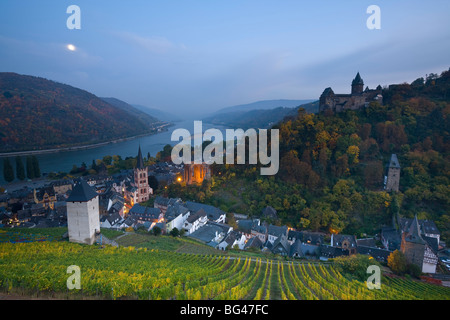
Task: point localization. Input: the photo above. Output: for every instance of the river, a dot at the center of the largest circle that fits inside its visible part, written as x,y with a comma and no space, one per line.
64,160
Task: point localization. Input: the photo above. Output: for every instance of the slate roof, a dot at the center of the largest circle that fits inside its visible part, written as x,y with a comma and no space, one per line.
392,237
174,211
338,239
254,242
213,213
413,233
357,80
377,253
393,163
140,160
193,217
277,231
82,192
145,212
426,226
281,245
206,233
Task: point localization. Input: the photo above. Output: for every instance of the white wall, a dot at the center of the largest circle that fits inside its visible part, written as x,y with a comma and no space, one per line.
83,220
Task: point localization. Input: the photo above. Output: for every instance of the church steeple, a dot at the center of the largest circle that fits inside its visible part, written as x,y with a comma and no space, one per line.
140,160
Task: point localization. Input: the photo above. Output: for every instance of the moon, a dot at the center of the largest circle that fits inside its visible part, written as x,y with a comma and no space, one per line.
71,47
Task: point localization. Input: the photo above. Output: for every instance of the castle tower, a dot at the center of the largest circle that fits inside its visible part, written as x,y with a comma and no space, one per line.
326,101
393,174
83,214
357,85
141,179
413,245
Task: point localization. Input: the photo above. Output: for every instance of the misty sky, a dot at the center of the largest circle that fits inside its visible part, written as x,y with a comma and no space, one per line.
200,56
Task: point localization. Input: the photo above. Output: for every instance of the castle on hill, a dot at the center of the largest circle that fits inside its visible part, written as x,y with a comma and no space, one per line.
357,99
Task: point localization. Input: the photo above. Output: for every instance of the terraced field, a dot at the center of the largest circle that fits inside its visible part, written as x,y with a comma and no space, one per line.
114,273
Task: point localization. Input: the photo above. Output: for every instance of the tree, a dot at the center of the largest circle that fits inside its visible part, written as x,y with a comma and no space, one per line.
175,232
8,171
94,165
30,168
37,170
397,262
156,230
153,183
20,169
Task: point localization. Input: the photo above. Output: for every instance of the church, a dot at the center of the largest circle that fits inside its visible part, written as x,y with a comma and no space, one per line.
357,99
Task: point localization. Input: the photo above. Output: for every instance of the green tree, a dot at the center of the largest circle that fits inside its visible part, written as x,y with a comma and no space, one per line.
20,169
37,170
156,230
175,232
30,168
8,171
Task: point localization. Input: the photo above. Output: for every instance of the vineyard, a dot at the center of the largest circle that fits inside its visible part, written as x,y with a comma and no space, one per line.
113,273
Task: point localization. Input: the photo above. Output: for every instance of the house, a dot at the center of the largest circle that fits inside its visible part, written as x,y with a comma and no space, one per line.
419,250
212,233
306,237
111,221
427,227
390,238
301,250
344,242
281,246
213,213
175,217
329,252
164,203
232,239
143,214
195,221
274,232
259,231
245,226
254,242
378,254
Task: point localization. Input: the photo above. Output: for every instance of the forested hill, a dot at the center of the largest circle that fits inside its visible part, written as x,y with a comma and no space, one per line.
341,159
332,166
36,113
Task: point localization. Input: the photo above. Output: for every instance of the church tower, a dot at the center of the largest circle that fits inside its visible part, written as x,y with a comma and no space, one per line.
357,85
141,179
83,218
393,174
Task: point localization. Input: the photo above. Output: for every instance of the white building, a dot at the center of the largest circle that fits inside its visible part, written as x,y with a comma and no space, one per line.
83,214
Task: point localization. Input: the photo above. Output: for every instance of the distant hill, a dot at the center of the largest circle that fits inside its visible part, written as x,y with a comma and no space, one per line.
264,105
147,117
260,118
162,115
36,113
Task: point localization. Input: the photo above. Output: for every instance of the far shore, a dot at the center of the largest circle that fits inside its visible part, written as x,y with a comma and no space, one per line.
75,148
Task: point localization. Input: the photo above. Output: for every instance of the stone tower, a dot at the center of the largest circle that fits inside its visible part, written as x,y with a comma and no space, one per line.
83,214
357,85
196,173
141,179
393,174
413,246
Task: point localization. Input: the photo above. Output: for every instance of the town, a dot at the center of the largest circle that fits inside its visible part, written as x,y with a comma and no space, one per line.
91,204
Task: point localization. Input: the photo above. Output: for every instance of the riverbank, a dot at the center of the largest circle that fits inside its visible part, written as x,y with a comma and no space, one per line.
160,129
